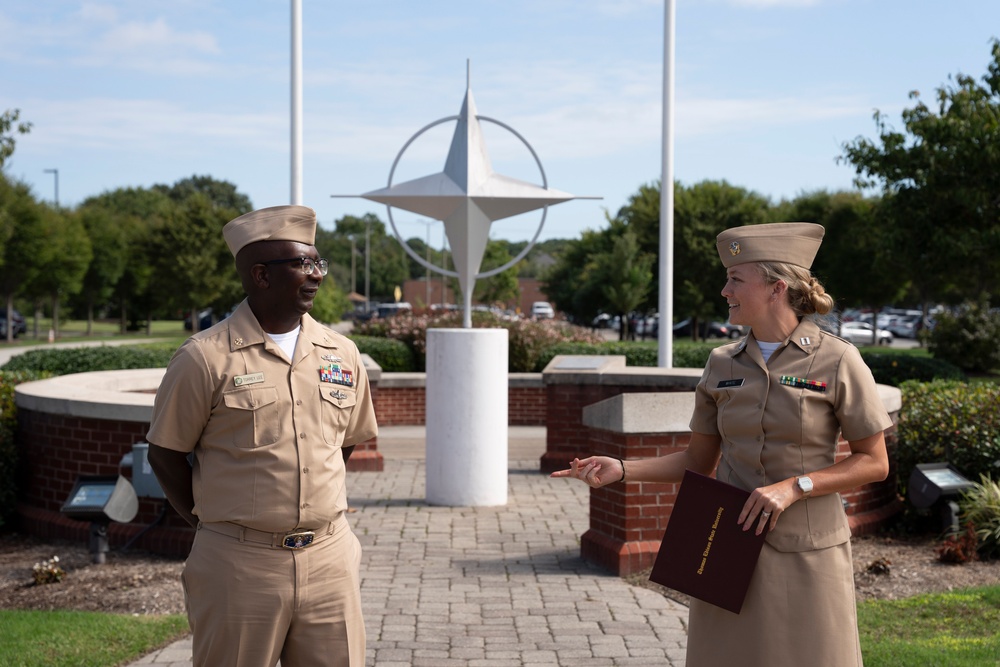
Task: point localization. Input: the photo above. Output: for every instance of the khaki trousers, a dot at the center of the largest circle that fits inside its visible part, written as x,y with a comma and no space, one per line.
250,604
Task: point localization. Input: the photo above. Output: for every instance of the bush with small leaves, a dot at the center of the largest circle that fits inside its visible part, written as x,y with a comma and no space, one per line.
981,509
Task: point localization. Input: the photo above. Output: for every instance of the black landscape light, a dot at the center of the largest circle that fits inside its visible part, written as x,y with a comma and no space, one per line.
937,484
101,500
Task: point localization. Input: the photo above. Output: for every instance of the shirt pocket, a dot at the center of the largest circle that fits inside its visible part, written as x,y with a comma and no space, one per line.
253,416
338,406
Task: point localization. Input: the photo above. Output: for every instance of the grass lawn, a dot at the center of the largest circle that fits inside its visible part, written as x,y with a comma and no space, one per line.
82,639
956,629
76,330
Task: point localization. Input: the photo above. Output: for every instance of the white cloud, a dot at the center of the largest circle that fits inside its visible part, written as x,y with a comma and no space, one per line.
155,36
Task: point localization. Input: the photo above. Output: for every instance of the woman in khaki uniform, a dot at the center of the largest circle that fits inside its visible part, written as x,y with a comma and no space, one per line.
769,411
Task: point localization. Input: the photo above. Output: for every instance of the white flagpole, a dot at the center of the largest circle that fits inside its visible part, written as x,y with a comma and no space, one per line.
665,352
296,139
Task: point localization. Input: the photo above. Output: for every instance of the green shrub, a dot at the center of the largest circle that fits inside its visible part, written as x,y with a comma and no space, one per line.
948,421
527,340
969,338
61,361
686,355
8,426
981,507
895,369
393,356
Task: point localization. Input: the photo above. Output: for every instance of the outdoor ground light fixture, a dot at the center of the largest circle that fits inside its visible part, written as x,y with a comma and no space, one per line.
100,500
938,484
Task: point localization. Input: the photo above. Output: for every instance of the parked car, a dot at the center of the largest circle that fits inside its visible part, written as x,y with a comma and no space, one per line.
860,333
204,320
20,326
707,330
906,326
542,310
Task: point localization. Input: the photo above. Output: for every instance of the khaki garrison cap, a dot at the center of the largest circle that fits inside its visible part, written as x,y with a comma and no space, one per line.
277,223
787,242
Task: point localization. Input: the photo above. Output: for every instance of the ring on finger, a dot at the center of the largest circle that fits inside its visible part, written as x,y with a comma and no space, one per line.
765,514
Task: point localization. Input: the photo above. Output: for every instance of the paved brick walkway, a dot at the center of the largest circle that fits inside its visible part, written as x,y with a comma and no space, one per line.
500,586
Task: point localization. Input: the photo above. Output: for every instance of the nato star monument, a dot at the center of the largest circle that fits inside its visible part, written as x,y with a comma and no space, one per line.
467,377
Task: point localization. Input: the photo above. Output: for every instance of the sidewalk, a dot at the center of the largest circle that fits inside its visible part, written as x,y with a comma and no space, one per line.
489,586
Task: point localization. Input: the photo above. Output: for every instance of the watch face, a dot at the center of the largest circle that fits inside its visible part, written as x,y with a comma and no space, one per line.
805,484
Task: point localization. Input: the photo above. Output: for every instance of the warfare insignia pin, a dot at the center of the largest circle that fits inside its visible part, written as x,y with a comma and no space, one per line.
339,395
734,248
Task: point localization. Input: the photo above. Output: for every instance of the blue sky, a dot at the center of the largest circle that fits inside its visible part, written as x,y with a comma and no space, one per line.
125,93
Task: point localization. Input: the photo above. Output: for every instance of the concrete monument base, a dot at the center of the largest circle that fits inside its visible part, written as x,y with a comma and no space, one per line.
467,417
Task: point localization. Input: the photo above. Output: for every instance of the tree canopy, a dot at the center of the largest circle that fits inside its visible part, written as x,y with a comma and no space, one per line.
940,184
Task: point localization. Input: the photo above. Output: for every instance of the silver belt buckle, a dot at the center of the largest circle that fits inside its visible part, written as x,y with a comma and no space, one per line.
298,540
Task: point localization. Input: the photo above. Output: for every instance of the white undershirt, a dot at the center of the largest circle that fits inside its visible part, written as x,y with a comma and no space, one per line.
286,341
767,349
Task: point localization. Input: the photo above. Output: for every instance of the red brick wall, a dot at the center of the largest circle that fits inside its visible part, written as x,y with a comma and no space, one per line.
397,406
566,437
627,521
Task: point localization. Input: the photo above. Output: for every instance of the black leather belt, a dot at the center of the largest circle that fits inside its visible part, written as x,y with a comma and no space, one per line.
296,539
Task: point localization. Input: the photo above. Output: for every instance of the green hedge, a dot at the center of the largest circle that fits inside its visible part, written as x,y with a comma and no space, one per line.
8,426
895,369
393,356
686,355
61,361
948,421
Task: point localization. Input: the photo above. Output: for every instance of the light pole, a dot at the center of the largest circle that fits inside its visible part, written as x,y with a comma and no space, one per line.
56,173
368,253
354,270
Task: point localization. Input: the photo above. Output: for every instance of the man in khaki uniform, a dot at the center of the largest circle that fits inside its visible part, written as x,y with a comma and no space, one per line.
271,404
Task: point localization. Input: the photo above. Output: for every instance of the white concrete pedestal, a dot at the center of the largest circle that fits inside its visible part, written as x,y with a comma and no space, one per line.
467,417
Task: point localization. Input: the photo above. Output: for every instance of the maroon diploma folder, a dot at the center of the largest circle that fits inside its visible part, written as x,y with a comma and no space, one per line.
704,552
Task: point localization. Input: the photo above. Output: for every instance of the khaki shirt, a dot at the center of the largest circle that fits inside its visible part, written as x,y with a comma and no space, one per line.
266,434
784,419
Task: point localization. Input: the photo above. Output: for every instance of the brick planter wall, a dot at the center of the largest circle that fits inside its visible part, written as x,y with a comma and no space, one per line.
627,521
56,448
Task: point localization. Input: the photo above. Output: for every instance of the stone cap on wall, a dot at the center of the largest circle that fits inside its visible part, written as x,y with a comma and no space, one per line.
670,412
658,412
124,395
611,370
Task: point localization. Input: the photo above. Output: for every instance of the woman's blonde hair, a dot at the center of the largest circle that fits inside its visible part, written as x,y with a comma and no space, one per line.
806,295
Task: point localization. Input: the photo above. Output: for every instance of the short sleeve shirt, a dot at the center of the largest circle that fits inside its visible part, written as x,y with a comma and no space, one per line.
266,433
784,418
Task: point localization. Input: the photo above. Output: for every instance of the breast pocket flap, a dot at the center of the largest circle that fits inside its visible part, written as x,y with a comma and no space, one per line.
251,398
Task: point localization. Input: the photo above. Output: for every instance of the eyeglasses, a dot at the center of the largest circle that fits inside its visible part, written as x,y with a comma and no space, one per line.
305,264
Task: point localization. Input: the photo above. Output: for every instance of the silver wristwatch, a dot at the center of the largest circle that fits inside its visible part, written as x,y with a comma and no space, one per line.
805,484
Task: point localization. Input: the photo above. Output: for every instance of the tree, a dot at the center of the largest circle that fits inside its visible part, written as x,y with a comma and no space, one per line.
221,194
62,261
941,187
387,261
191,262
107,231
501,288
139,210
702,212
627,276
573,283
7,129
22,223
